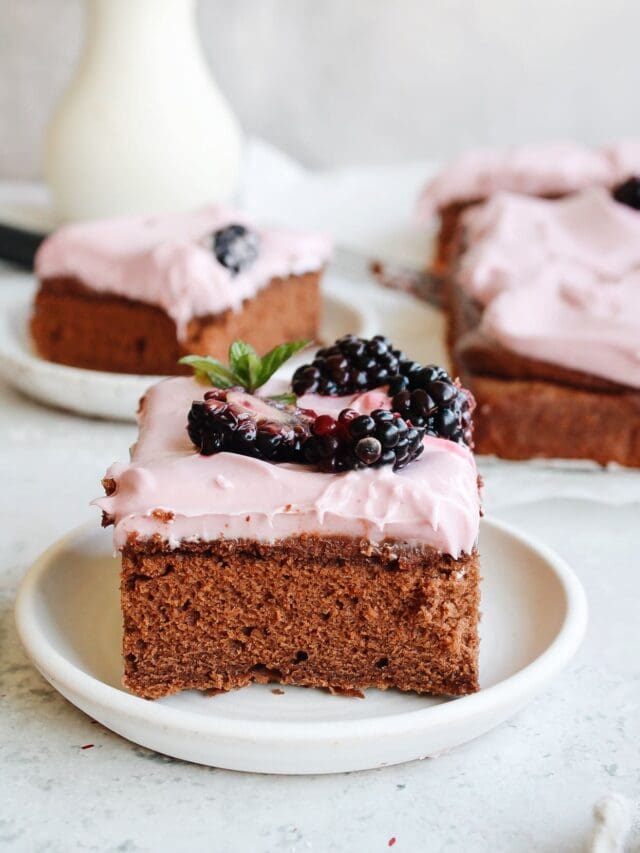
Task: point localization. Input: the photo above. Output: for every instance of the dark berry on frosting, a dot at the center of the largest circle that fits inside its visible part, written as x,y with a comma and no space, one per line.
349,366
425,395
237,422
629,193
429,398
236,247
368,450
362,441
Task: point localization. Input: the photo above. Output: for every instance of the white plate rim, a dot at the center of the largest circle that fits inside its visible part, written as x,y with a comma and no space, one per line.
59,671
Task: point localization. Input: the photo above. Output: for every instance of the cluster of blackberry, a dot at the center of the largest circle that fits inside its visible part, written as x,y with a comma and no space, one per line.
235,247
424,401
429,398
237,422
350,365
424,395
362,441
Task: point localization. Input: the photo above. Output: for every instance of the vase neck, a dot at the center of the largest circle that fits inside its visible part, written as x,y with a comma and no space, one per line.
138,22
138,38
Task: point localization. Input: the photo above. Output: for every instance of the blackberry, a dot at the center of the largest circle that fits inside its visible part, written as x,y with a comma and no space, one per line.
235,247
362,441
628,193
429,398
237,422
350,365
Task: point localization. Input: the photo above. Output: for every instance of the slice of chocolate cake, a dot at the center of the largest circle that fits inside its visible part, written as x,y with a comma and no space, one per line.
544,307
328,543
134,294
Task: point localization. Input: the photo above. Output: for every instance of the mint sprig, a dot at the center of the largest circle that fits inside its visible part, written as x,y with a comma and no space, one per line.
246,368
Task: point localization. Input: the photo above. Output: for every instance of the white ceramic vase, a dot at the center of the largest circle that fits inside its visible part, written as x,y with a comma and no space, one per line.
142,128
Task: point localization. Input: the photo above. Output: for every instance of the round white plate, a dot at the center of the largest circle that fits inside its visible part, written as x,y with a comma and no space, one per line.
116,395
68,617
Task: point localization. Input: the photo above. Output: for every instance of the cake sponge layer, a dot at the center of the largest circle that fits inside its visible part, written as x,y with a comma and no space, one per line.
333,612
75,325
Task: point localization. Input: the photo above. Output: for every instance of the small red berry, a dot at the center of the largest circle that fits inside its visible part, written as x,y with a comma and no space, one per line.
324,425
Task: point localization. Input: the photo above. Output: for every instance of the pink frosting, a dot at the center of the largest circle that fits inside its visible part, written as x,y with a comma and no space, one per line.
560,279
624,158
434,501
168,260
552,168
513,238
574,321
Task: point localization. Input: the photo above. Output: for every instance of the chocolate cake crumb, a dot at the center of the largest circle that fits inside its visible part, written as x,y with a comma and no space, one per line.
163,515
309,610
109,486
76,325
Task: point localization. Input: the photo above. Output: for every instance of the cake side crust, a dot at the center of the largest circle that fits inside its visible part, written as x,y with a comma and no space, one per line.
333,612
446,238
74,325
524,419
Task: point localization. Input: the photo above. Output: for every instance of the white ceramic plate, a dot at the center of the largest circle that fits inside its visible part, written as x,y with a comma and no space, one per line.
116,395
68,617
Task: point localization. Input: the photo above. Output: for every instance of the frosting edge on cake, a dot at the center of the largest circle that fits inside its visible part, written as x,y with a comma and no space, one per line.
171,492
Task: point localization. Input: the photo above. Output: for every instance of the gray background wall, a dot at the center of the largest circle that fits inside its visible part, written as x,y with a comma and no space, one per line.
340,81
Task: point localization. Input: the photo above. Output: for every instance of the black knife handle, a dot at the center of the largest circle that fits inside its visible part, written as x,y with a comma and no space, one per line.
19,245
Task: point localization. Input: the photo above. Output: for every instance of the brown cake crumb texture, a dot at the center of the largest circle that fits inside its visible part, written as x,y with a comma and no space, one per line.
77,326
329,612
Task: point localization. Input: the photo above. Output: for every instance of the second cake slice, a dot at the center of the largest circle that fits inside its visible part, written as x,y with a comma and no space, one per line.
134,294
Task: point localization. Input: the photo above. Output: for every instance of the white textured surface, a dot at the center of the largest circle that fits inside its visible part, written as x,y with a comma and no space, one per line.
529,785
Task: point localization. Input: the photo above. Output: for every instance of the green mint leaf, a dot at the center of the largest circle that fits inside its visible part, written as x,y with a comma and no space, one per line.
288,397
242,361
246,368
212,370
276,357
237,350
254,366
